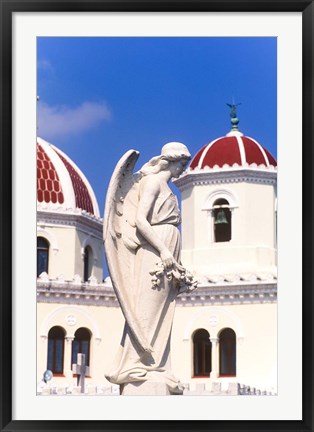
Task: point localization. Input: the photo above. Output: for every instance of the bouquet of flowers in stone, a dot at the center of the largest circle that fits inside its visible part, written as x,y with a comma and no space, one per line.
184,279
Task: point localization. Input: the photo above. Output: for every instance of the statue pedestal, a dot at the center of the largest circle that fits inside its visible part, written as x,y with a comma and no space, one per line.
145,388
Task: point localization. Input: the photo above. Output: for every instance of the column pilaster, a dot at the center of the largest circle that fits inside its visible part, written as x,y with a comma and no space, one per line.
67,366
215,353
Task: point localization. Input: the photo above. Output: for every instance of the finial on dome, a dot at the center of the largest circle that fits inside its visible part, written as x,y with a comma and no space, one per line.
233,115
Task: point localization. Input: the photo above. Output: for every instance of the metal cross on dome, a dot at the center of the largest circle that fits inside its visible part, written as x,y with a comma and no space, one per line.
233,115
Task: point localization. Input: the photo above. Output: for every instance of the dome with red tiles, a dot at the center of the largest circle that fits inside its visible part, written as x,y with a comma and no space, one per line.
232,149
60,183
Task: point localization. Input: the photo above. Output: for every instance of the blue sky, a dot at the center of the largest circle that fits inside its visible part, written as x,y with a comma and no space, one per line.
100,97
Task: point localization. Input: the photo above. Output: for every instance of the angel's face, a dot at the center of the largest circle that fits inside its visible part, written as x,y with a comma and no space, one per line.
177,167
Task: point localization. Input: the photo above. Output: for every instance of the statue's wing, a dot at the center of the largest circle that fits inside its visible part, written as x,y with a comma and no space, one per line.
120,238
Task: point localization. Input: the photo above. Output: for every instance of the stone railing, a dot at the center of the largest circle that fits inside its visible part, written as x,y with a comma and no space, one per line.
216,389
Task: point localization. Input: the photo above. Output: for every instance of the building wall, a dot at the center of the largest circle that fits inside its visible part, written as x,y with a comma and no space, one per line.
84,239
254,325
66,252
61,252
105,325
251,250
252,245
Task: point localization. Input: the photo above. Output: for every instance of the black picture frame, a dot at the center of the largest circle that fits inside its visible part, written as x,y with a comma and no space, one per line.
7,8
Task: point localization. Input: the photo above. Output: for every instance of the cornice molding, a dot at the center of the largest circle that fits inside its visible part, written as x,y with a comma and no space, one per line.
223,175
67,292
59,209
234,294
72,292
80,219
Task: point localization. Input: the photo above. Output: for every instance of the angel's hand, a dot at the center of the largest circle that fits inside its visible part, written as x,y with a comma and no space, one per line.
167,259
179,267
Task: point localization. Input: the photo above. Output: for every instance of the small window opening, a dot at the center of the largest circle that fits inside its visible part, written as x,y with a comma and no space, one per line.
222,221
42,255
202,353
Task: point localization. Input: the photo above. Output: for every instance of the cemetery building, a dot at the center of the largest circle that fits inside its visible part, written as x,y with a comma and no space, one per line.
225,332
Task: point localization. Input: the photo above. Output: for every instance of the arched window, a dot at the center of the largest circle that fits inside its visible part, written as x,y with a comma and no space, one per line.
56,350
227,352
42,255
81,344
222,220
88,263
202,353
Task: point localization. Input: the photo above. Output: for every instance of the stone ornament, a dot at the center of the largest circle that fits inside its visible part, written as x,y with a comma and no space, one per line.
71,320
142,245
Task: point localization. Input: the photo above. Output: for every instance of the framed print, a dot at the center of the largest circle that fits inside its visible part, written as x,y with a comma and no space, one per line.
228,86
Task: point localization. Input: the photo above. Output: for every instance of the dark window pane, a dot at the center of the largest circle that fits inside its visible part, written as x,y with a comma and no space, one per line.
81,344
75,351
42,243
50,355
86,265
55,353
42,255
202,353
42,262
85,350
227,352
59,356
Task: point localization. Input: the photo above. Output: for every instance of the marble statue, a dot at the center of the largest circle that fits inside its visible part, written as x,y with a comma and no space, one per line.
142,245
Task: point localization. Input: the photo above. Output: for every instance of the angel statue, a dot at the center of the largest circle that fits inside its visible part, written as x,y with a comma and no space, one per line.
142,245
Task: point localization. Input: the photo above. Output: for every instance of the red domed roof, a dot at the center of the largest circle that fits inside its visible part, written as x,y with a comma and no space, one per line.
234,148
60,183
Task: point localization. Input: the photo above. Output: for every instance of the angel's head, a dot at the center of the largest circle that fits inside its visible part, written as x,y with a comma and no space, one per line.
174,156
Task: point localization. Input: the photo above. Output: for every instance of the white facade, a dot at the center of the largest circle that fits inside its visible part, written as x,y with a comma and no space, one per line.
251,195
237,288
69,233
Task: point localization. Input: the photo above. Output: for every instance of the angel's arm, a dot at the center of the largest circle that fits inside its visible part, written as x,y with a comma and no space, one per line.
149,190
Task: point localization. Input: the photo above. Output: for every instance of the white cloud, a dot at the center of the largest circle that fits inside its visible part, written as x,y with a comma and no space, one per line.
57,121
45,65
